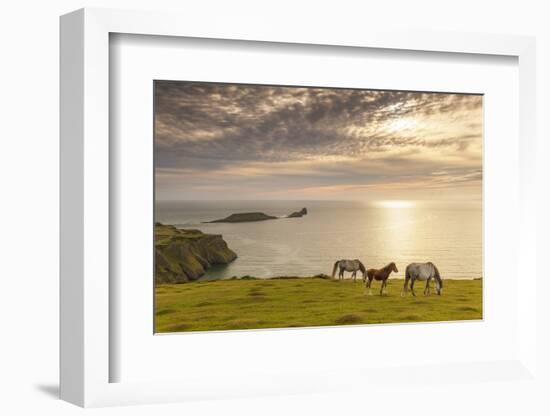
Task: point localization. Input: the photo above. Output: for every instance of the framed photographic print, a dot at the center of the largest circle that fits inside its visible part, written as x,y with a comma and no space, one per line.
239,209
335,183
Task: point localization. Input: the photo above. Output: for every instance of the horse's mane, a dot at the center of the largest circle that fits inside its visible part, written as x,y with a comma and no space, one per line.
437,275
388,266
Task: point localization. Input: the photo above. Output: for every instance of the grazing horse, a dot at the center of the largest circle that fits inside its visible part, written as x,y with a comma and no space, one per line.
422,271
348,266
380,274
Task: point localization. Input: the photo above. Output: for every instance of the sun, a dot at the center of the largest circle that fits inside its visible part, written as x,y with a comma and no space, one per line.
404,123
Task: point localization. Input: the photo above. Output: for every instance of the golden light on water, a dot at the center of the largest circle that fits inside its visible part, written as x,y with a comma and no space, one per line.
395,203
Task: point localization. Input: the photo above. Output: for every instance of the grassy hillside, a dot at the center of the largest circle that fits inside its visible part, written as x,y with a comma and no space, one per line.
299,302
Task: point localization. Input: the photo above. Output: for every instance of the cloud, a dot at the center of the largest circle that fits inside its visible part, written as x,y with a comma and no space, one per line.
289,137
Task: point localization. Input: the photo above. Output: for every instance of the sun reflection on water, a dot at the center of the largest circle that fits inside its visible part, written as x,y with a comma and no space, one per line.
394,203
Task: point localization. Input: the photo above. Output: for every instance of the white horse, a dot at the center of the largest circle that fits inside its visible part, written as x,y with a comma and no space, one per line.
349,266
422,272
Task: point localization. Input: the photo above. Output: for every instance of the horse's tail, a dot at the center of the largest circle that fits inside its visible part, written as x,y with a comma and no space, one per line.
334,268
407,278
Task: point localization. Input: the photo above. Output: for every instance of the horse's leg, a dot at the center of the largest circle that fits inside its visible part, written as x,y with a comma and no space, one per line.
412,287
370,285
427,288
354,275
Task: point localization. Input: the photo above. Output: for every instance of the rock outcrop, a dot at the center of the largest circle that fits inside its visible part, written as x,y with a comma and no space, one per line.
185,255
298,214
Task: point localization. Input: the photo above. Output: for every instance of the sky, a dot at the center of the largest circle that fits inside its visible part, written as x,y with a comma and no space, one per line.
231,141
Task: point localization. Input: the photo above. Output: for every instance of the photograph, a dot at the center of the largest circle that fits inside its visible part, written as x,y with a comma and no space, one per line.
282,206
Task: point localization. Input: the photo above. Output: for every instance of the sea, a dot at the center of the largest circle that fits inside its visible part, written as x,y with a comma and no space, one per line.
449,234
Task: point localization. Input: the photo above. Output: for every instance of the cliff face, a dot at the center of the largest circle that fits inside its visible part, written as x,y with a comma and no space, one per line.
185,255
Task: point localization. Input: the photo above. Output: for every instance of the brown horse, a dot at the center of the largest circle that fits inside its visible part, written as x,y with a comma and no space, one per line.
380,274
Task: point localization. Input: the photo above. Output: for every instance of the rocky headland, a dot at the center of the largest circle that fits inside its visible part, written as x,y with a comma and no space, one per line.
185,255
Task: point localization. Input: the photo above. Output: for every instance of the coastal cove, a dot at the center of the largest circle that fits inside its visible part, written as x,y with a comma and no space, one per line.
448,234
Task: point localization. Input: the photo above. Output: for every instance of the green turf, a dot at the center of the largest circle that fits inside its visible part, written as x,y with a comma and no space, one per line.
299,302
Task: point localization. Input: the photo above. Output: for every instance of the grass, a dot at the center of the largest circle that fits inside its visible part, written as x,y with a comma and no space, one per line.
297,302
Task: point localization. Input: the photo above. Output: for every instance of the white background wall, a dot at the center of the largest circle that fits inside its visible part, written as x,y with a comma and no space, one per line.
29,179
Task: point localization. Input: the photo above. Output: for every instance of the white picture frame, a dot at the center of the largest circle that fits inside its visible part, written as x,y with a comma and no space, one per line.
85,211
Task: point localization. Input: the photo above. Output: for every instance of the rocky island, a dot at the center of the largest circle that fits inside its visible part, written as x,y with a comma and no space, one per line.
298,214
246,217
185,255
257,216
